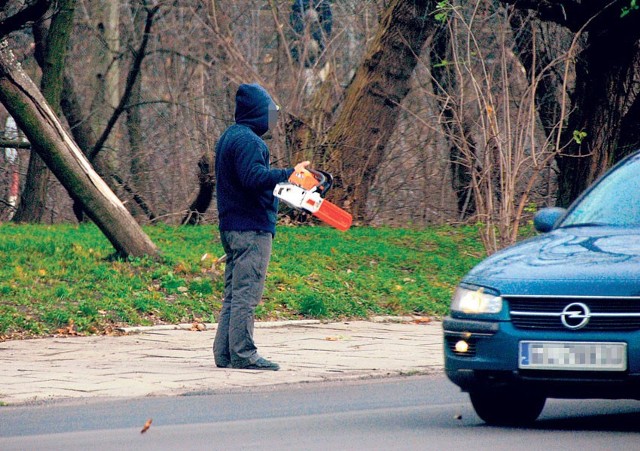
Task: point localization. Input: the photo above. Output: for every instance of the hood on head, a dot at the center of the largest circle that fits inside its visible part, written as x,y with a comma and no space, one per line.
254,105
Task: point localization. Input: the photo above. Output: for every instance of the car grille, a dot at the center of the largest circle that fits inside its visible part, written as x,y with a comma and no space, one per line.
545,313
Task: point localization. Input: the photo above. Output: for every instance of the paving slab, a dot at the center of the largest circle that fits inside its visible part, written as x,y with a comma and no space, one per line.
174,360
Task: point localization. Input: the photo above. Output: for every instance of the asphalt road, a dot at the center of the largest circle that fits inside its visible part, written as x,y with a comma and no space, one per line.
420,412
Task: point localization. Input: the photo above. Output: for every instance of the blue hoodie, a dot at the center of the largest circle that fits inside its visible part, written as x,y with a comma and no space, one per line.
244,180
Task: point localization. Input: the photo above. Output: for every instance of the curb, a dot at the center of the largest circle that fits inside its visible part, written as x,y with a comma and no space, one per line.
260,324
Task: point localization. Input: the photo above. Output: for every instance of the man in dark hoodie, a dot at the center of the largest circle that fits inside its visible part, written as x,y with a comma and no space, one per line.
247,213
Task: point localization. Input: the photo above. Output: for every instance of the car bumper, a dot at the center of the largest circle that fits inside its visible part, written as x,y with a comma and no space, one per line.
489,360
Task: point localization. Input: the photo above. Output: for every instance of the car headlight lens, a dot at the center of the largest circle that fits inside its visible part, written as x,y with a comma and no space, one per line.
475,301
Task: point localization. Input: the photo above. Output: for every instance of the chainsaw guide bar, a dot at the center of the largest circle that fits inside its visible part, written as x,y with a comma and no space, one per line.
302,193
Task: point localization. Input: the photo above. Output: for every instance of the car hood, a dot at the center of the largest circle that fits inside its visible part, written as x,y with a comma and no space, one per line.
585,261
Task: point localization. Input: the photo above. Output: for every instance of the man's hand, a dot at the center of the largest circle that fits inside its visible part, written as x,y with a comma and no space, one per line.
302,177
301,167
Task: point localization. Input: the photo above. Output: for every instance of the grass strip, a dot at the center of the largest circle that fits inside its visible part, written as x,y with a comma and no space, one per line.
64,277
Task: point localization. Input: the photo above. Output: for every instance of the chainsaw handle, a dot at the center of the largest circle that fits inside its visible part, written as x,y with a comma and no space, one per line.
325,180
312,180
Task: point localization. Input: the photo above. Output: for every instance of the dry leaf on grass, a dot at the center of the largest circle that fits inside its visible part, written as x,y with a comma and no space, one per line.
70,329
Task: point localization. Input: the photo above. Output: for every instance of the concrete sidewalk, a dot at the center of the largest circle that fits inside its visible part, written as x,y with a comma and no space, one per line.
171,360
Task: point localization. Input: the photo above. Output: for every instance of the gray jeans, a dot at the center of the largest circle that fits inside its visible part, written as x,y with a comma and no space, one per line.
248,254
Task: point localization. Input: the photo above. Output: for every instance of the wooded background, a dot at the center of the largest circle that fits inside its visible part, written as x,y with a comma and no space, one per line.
425,111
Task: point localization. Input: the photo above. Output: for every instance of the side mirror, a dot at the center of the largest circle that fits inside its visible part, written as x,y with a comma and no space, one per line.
546,218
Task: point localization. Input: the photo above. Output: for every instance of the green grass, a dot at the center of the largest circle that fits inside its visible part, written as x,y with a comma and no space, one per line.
55,276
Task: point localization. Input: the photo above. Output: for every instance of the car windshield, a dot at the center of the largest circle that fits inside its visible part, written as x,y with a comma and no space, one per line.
614,200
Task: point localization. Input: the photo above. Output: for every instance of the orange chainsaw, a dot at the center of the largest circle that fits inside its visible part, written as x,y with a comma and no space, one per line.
305,191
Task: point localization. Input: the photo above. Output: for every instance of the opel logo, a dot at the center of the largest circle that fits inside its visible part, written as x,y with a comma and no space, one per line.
575,315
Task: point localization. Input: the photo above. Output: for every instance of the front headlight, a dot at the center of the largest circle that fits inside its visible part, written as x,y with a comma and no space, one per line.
475,301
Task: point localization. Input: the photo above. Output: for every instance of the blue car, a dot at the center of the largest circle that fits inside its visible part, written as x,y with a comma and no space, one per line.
558,315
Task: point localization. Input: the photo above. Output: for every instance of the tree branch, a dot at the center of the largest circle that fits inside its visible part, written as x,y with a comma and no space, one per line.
32,12
11,144
137,197
572,14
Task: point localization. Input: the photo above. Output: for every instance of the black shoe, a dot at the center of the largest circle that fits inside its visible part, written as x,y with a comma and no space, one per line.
222,361
261,364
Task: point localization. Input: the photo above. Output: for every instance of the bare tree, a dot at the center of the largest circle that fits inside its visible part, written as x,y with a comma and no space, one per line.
458,130
605,96
51,49
93,140
355,144
490,115
400,145
41,126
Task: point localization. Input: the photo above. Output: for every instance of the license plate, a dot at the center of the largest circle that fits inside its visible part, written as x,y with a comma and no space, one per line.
573,356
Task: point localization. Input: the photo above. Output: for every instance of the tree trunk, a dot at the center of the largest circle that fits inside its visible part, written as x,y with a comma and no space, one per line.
304,134
33,199
630,131
52,47
607,71
139,167
92,145
606,74
355,145
203,199
81,129
43,129
535,56
462,147
106,89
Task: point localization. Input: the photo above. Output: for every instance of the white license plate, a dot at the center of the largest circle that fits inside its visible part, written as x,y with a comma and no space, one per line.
573,356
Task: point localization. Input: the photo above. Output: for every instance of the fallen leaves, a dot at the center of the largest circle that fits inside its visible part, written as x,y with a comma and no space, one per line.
181,268
112,331
198,327
421,320
70,329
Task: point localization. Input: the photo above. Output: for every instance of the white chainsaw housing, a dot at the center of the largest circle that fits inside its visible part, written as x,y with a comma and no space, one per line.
297,197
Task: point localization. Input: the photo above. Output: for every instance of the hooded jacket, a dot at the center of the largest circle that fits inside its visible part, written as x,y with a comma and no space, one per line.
244,179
